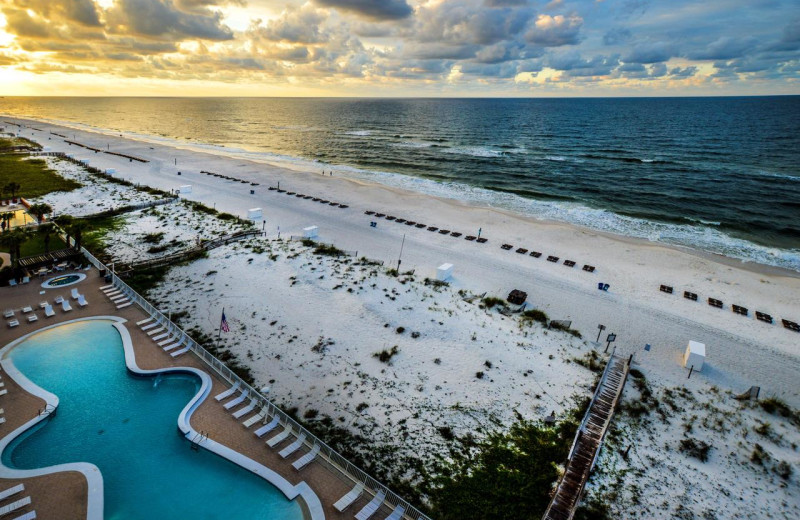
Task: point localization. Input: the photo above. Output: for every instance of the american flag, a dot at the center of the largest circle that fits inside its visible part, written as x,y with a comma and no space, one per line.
223,325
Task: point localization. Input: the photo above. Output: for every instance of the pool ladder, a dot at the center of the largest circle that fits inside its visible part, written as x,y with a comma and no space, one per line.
197,439
49,409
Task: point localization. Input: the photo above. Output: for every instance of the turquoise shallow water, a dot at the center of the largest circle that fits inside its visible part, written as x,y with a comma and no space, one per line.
127,426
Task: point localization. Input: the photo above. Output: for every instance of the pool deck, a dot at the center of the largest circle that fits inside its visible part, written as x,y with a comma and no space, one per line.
63,496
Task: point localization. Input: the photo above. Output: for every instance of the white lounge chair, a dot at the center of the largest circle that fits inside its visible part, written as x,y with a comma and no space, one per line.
370,509
42,305
236,402
3,392
397,514
65,306
27,516
158,330
123,305
254,419
241,412
293,447
48,311
12,283
27,309
227,393
87,267
151,325
345,502
13,506
103,288
182,351
32,318
119,300
146,320
268,427
19,488
74,293
303,461
162,336
26,279
2,420
173,346
82,301
277,439
13,323
58,299
8,314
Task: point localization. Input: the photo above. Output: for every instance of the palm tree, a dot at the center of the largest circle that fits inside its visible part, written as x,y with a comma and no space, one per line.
39,210
78,227
45,231
13,188
65,222
5,220
13,241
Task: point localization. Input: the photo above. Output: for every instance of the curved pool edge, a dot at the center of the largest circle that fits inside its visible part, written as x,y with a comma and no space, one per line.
301,491
94,478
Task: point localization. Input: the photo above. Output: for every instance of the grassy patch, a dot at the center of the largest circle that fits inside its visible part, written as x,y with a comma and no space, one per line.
492,301
384,356
532,315
33,176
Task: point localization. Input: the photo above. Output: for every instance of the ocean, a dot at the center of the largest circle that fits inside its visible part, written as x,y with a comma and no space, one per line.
721,175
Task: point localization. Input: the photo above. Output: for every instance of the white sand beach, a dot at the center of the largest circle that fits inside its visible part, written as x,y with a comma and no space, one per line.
309,326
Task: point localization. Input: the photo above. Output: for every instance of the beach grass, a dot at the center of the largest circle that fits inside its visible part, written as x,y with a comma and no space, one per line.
33,175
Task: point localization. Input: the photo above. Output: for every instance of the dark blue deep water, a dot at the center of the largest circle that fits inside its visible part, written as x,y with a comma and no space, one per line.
716,174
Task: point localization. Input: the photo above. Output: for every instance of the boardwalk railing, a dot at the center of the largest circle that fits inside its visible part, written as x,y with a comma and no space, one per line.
588,440
334,459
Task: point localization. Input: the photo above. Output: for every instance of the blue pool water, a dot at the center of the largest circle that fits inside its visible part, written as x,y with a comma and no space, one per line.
127,426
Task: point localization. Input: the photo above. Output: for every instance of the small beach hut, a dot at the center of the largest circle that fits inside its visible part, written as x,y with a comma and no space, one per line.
695,355
110,171
254,213
187,188
310,231
444,272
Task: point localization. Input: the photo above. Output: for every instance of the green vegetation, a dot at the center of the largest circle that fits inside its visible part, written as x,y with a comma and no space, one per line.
696,449
559,326
31,177
590,360
775,406
385,356
534,315
153,238
492,301
506,476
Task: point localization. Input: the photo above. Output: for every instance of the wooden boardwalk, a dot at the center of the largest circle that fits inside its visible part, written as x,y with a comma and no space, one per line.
588,440
59,255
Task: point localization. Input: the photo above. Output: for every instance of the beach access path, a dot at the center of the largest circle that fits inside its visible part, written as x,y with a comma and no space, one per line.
741,351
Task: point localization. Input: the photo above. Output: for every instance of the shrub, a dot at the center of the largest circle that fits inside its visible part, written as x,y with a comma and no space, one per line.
479,375
534,315
153,238
696,449
384,356
492,301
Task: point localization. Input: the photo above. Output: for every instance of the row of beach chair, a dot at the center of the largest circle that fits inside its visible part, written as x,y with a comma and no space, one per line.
165,335
309,197
235,397
736,309
550,258
432,229
16,504
229,178
30,312
117,296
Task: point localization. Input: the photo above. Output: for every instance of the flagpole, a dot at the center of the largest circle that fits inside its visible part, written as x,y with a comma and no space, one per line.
219,332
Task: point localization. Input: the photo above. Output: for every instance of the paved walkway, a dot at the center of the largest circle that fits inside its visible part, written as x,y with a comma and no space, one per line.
63,495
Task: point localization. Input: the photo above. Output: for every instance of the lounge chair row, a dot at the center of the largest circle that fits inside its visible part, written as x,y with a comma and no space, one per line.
309,197
229,178
31,315
117,296
16,504
371,507
550,258
432,229
737,309
165,335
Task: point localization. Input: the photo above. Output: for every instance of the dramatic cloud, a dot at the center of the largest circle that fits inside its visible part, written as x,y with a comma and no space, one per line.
374,9
409,47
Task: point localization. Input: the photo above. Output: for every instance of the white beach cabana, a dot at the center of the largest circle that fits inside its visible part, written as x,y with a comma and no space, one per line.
444,272
254,214
310,232
695,355
110,171
186,188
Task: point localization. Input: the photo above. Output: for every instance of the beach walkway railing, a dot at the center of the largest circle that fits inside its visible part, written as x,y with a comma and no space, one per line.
337,462
588,440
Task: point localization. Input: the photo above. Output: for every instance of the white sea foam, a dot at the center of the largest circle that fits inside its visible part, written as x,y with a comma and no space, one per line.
556,158
474,151
359,133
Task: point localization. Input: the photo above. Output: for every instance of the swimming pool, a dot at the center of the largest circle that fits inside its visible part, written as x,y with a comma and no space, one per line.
63,280
127,426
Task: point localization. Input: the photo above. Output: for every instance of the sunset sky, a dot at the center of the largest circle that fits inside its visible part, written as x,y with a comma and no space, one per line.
399,47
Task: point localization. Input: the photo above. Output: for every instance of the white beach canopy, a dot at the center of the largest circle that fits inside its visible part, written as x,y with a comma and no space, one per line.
444,272
254,213
310,231
187,188
695,355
